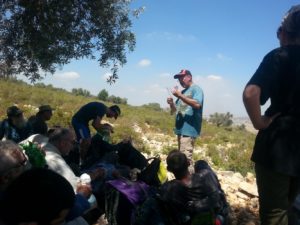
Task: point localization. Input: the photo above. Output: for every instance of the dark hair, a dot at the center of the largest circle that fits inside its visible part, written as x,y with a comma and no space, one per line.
116,109
201,165
177,163
38,195
291,23
58,134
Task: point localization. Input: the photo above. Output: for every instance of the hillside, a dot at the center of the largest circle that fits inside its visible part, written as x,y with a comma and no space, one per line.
150,129
227,149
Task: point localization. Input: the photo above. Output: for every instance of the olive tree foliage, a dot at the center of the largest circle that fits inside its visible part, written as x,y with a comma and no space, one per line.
221,119
39,36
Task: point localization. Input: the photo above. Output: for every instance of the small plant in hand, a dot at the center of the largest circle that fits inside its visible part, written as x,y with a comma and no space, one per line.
35,155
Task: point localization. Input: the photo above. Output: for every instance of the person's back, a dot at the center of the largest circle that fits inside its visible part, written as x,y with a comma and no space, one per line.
38,196
284,93
276,150
89,112
192,198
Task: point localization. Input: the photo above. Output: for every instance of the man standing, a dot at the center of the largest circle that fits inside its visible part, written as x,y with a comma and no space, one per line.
276,151
188,108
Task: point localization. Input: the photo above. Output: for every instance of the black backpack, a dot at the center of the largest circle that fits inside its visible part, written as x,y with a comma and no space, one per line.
130,156
149,175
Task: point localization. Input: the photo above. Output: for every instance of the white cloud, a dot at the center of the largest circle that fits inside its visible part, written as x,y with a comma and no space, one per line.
106,76
222,57
132,89
144,63
214,77
67,75
154,86
155,89
170,36
165,75
220,95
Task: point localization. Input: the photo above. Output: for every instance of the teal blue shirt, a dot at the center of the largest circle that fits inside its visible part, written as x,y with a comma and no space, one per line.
188,119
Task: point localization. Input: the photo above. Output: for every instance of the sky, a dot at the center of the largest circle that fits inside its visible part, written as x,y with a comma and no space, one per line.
221,42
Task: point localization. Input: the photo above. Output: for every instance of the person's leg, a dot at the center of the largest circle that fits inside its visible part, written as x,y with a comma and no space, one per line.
178,140
275,196
187,147
83,137
81,131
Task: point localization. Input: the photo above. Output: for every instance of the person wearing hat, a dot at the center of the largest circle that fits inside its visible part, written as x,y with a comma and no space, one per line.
276,150
15,127
188,107
45,112
93,111
38,122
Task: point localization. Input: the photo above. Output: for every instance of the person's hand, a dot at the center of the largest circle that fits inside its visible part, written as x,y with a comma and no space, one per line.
176,92
170,101
116,174
39,147
85,190
98,173
265,122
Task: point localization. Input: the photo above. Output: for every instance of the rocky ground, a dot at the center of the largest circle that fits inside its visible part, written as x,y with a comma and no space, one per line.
241,193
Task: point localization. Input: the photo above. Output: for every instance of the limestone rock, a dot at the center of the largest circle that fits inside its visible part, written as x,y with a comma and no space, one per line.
248,189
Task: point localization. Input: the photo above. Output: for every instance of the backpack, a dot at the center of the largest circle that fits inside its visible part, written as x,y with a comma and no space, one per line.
122,197
130,156
206,199
201,203
155,173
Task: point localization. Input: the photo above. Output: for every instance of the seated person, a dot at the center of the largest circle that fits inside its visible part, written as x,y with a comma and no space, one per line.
38,196
189,199
61,143
43,115
15,127
203,188
12,163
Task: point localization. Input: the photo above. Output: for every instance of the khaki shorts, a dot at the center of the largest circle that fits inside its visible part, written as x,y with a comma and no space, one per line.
186,145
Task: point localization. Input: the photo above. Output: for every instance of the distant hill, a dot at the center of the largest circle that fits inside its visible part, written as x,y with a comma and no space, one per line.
150,128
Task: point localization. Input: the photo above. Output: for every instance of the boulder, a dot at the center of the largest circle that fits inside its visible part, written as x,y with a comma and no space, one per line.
248,189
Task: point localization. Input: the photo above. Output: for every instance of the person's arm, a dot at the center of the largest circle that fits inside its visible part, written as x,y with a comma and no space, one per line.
97,123
172,105
251,98
189,101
